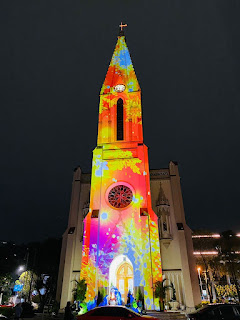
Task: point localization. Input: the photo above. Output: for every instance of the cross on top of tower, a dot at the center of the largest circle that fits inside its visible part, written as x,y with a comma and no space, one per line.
122,26
121,32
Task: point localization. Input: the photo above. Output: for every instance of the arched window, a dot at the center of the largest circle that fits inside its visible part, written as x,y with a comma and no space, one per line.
120,119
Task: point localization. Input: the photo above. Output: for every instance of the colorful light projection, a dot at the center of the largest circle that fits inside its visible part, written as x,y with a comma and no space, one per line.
120,219
120,83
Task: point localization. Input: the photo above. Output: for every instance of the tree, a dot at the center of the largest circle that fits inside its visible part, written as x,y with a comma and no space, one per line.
5,290
160,292
208,263
79,292
227,291
45,287
44,257
27,279
229,258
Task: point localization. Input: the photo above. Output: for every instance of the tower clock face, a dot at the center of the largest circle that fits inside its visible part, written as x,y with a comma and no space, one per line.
120,196
119,88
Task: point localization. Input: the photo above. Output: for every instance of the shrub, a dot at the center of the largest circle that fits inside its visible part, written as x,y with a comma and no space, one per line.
139,295
79,292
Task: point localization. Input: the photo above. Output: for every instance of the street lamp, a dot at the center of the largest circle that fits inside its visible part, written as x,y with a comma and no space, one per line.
200,281
21,268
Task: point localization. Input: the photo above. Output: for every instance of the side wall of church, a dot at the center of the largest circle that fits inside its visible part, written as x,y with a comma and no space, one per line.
71,252
178,262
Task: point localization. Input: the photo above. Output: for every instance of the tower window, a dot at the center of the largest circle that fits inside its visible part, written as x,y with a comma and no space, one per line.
164,226
71,230
120,119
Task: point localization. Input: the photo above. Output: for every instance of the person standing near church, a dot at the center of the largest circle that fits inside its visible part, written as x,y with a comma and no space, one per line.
68,312
18,311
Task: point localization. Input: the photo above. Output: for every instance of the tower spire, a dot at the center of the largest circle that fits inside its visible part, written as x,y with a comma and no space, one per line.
120,115
121,69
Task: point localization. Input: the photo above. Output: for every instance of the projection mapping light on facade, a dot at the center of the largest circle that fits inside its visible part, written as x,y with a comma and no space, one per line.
126,227
120,221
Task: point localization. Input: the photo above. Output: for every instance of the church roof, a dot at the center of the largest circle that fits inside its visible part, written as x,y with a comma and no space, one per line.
120,70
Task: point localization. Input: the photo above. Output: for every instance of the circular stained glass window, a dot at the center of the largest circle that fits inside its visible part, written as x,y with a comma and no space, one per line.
120,196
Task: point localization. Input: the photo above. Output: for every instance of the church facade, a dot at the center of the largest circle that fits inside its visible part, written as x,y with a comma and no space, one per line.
126,225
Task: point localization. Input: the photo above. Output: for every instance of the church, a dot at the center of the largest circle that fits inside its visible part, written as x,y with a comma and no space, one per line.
126,226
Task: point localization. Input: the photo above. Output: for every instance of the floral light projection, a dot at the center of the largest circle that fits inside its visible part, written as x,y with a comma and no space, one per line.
120,218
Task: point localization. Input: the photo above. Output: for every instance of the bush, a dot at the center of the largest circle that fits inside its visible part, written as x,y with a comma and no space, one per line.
56,306
139,295
101,294
36,299
79,292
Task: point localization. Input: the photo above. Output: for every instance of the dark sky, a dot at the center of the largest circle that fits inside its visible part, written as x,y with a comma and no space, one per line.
54,57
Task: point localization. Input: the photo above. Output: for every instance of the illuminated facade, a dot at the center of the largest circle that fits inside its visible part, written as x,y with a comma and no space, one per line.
120,219
117,239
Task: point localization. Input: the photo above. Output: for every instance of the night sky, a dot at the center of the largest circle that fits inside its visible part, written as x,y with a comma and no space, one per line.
54,57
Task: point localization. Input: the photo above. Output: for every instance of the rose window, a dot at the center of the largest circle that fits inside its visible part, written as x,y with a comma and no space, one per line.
120,196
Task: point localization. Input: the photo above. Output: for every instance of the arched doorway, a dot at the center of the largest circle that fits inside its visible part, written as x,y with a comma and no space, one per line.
121,275
124,279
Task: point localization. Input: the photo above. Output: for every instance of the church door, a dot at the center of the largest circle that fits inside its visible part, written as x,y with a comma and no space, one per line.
125,280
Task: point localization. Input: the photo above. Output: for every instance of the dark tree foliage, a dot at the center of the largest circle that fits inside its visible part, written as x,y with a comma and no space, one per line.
225,263
43,260
227,251
44,256
11,256
79,292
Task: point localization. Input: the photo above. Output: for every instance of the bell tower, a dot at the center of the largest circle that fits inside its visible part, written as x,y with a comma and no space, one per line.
120,117
120,221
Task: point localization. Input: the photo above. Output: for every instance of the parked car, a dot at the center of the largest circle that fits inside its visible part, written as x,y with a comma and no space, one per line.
113,313
216,312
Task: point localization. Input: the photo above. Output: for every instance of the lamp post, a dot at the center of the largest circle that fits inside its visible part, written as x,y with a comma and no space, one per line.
21,268
206,281
200,281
